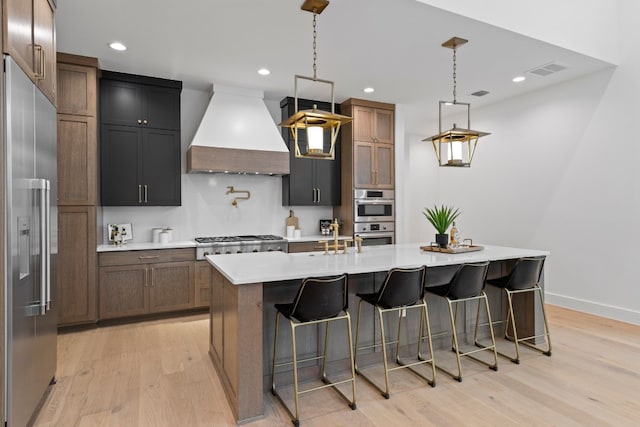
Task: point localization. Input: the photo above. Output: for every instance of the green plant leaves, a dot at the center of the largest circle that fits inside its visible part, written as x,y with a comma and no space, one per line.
441,217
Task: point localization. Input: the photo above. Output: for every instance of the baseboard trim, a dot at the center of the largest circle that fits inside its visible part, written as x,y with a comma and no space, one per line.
598,309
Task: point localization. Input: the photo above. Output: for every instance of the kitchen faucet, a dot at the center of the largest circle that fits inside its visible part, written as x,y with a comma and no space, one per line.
231,190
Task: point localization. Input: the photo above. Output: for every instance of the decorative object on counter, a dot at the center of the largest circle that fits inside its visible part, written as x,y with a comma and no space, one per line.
454,236
297,233
169,232
324,227
358,240
315,122
120,233
290,231
231,190
155,234
441,218
164,237
456,146
335,246
466,246
291,220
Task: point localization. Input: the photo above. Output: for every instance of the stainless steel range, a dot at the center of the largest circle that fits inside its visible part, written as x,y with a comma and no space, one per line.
239,244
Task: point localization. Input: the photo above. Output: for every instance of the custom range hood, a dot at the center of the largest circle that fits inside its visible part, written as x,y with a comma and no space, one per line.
238,135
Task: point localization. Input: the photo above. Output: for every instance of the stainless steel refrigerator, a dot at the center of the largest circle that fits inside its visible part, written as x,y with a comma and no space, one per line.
30,174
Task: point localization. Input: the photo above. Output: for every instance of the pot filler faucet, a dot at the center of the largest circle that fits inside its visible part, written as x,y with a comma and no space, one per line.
231,190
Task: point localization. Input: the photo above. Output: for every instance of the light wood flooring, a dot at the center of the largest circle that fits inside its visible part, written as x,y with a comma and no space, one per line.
158,373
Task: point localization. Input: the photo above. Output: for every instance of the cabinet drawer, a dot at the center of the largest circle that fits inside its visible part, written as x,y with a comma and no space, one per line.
146,257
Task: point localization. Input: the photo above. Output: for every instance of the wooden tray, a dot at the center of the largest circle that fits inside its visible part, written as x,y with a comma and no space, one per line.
458,250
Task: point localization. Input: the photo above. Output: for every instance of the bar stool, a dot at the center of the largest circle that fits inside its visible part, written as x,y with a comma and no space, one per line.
467,284
524,277
319,300
403,288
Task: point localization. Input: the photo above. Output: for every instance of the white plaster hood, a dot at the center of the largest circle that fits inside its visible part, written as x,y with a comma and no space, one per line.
238,135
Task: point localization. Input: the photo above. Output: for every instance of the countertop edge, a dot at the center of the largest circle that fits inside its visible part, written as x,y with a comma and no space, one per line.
146,246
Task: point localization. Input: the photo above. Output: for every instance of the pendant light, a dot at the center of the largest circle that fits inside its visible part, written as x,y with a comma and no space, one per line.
320,128
456,146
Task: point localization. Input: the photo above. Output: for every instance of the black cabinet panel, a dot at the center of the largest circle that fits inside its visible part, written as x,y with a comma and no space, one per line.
161,167
311,182
140,141
119,165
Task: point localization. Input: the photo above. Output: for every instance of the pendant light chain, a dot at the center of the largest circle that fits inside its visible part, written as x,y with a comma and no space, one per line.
315,54
454,74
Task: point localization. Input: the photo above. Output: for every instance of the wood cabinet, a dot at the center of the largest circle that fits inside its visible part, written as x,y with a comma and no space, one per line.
77,264
311,182
296,247
141,282
140,156
203,283
30,39
367,153
77,154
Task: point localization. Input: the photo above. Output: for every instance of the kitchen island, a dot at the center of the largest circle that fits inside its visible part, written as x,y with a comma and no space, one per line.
245,287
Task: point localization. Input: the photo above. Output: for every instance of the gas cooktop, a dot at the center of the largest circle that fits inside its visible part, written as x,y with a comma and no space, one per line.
239,239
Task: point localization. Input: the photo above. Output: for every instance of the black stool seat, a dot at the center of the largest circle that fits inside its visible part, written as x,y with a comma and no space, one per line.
402,289
524,277
467,284
318,300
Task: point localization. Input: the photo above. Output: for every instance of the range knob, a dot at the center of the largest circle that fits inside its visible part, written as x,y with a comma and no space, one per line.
255,250
217,253
239,251
228,252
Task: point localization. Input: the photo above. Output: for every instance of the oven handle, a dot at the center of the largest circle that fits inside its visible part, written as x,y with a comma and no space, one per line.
374,202
375,234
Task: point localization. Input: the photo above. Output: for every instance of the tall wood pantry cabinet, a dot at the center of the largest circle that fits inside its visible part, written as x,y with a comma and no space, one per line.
311,182
140,140
77,189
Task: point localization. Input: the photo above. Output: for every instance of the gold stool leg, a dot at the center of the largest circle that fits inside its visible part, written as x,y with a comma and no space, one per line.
546,323
398,339
455,337
512,318
324,355
296,419
352,405
273,366
355,356
493,338
424,316
384,354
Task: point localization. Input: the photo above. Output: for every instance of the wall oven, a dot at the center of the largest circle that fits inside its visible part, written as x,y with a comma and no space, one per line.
374,206
371,233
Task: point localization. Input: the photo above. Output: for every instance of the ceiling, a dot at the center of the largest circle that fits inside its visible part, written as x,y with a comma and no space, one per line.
391,45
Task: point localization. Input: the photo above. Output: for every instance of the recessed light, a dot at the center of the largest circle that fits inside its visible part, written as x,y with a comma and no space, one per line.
264,72
369,90
117,46
519,79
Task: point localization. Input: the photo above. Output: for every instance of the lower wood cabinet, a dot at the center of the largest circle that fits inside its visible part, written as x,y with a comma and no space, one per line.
296,247
204,272
140,282
76,265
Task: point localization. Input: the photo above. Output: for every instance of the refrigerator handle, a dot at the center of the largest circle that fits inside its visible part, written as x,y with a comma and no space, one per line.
44,187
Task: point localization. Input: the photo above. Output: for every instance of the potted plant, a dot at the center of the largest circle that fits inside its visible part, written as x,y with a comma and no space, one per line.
441,218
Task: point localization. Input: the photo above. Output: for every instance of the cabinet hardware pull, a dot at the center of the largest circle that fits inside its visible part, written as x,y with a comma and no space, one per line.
39,75
148,256
139,193
318,199
146,193
314,195
139,121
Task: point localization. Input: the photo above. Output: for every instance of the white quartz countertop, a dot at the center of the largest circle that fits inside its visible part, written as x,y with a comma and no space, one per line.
276,266
146,246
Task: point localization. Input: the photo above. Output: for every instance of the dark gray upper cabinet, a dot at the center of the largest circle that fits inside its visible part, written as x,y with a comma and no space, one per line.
311,182
140,154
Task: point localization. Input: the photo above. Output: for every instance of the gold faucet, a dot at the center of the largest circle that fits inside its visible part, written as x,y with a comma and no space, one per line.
231,190
335,246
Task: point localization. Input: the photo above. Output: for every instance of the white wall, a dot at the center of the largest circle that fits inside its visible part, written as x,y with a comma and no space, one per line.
585,26
206,210
559,172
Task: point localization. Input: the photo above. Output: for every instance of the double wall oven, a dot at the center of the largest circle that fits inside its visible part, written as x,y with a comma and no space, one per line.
374,216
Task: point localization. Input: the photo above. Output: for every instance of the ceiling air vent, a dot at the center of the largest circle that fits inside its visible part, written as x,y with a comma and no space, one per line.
480,93
547,69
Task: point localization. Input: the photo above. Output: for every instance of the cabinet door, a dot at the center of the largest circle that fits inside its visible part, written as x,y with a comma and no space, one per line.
19,37
44,40
363,120
327,180
383,132
216,315
161,108
384,166
203,283
77,274
119,166
77,160
160,162
76,90
363,164
171,286
123,291
121,103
